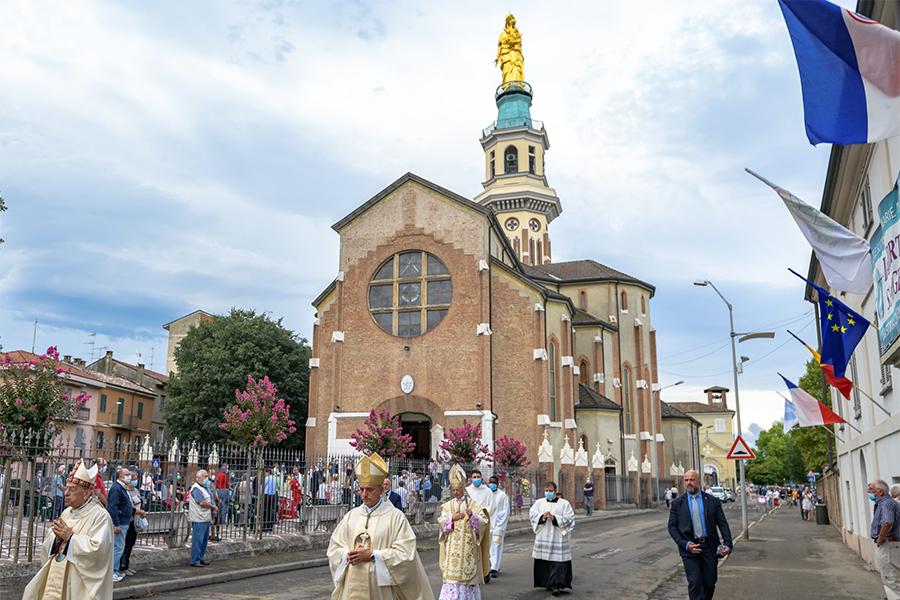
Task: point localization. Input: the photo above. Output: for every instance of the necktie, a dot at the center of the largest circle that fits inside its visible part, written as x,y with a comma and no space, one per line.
695,516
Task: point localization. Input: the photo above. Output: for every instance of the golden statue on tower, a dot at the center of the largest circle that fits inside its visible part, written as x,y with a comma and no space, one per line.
509,53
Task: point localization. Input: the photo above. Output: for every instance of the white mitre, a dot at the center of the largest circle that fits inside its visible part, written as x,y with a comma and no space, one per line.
83,476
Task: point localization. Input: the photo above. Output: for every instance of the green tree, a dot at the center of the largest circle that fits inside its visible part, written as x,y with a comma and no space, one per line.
215,358
777,458
813,441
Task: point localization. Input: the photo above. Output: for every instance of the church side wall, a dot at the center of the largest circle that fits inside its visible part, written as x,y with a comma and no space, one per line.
520,382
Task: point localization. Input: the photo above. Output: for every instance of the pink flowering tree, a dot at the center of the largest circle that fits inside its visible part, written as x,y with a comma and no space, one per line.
36,397
383,434
463,445
510,454
258,418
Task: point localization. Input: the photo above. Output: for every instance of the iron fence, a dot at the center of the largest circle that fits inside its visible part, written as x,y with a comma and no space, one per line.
259,493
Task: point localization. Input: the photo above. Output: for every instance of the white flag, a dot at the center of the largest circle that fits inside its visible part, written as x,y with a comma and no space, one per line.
843,255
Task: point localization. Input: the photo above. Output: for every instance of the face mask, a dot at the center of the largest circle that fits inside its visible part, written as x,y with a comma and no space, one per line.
126,479
205,480
872,496
493,487
549,495
477,482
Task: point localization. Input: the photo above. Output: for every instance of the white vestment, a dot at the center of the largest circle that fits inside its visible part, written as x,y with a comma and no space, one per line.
81,569
481,494
552,542
499,511
396,571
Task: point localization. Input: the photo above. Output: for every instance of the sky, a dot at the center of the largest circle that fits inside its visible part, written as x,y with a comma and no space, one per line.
160,158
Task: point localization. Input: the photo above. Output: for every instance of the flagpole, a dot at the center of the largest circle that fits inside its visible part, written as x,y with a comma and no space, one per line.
825,393
873,400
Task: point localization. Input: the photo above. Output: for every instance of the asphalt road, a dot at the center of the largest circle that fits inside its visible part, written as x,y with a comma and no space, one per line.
622,558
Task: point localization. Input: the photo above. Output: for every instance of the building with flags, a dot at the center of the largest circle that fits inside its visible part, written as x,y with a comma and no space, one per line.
860,185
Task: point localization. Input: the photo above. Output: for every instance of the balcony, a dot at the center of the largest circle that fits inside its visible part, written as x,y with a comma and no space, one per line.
82,414
124,421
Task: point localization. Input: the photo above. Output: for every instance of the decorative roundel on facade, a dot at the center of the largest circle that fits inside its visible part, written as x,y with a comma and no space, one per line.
407,384
534,225
410,293
512,223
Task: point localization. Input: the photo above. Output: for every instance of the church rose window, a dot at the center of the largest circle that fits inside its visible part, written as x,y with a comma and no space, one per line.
410,293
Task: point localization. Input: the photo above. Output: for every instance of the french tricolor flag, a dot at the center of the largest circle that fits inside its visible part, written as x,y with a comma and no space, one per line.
810,411
849,72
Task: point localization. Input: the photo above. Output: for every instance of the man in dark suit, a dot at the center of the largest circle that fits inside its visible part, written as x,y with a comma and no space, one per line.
695,520
391,495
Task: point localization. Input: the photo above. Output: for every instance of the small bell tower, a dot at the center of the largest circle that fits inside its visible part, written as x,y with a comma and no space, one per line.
515,146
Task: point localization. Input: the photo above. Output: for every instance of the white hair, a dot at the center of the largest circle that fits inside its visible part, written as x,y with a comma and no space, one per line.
895,490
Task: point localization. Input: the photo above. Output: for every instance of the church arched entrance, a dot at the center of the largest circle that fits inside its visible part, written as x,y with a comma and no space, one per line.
417,425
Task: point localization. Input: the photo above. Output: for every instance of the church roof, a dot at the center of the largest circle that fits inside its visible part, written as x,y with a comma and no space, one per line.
583,317
700,407
582,270
590,398
404,179
670,412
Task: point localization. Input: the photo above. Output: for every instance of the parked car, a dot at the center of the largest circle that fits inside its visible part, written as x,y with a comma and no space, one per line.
718,492
729,495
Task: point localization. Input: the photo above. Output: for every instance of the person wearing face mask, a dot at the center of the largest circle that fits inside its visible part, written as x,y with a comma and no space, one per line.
200,513
499,516
552,520
77,554
886,536
482,494
118,503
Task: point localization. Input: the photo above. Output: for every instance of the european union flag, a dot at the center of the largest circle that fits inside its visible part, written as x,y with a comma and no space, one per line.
842,329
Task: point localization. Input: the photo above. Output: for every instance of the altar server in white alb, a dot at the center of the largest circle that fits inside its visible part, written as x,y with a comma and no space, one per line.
553,520
372,554
482,495
77,555
499,519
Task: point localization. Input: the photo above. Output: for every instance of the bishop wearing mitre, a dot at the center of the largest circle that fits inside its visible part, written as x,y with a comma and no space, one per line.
77,556
372,553
464,524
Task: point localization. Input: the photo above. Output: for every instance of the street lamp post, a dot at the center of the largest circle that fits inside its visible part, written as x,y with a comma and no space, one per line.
654,452
737,397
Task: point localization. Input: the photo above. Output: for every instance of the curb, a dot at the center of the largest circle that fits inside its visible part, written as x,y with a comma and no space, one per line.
143,590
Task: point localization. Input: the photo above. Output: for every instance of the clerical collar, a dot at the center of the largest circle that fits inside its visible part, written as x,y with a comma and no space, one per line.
555,499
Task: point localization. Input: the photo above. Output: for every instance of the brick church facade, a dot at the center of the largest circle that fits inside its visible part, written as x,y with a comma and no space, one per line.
448,308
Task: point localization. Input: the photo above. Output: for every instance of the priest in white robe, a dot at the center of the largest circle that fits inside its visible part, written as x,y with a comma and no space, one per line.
481,494
552,520
372,554
499,519
463,545
77,555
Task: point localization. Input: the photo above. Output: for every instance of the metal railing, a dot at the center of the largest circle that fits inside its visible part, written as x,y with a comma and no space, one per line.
272,492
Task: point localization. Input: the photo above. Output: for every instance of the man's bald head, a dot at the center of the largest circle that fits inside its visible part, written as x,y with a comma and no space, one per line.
691,481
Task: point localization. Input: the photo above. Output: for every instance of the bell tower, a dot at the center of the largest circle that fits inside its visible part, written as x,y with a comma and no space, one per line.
515,145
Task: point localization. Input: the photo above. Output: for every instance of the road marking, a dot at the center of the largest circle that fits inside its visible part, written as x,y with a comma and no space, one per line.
605,553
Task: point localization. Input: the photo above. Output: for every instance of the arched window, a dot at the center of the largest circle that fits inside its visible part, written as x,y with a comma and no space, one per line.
583,372
582,299
531,251
552,359
643,305
410,293
511,160
517,247
540,255
624,301
626,398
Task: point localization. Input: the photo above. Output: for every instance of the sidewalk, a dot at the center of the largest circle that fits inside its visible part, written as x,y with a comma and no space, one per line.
787,557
